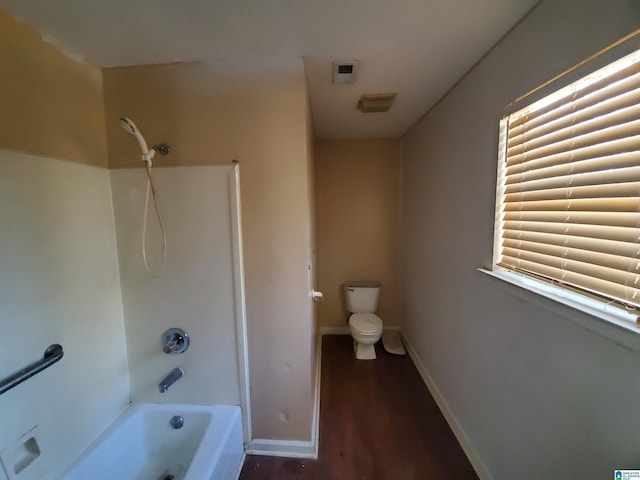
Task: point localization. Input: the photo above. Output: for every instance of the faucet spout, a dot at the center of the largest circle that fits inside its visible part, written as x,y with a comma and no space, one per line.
170,379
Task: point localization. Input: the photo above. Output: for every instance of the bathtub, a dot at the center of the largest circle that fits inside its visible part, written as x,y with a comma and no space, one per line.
143,445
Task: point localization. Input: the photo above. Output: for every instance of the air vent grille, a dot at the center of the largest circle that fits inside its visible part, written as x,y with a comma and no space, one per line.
376,102
345,72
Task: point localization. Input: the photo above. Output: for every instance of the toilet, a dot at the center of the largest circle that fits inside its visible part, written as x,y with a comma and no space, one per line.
365,326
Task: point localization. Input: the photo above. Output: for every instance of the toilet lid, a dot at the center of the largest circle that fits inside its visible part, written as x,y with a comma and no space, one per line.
366,322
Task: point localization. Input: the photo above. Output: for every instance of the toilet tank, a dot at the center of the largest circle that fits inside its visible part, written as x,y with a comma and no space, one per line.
362,297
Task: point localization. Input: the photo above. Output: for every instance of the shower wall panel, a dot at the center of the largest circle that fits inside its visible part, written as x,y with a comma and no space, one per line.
194,291
58,284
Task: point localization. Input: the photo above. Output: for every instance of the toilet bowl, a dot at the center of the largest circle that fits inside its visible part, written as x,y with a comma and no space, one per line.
364,325
366,330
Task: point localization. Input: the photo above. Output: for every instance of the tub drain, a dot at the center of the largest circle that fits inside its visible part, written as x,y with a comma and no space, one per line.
176,422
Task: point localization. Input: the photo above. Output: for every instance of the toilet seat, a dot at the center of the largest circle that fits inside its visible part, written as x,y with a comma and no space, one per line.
366,323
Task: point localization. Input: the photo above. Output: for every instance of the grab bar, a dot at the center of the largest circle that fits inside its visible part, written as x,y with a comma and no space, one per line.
51,356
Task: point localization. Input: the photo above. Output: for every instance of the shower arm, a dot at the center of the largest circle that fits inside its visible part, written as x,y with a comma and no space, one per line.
161,148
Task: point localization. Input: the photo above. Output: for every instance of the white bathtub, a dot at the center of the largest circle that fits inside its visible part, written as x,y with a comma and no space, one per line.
142,445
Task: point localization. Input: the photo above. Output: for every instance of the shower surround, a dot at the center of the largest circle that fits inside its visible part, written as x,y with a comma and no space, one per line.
195,291
63,283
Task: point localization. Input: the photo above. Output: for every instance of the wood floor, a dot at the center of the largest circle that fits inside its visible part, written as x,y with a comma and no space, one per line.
377,422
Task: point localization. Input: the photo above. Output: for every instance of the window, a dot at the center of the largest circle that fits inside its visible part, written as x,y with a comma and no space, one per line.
568,192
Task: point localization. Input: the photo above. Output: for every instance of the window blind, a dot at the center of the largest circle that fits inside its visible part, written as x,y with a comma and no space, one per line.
568,204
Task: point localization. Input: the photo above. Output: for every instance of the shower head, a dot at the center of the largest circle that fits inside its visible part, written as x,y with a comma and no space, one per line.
130,127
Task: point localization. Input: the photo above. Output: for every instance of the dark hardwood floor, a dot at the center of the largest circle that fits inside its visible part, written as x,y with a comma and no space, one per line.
378,421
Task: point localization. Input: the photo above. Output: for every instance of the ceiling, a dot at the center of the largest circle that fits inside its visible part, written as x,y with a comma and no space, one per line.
417,48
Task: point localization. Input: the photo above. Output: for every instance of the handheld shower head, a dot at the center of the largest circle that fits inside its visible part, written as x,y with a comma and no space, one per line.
130,127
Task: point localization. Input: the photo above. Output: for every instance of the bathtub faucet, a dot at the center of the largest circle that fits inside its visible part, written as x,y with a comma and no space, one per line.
170,379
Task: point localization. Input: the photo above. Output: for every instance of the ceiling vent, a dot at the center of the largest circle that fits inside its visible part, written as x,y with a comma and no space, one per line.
376,102
345,72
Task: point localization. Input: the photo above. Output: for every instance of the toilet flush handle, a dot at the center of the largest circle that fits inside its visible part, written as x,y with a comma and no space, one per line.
316,295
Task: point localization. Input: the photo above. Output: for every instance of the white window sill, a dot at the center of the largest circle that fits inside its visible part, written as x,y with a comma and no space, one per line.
609,321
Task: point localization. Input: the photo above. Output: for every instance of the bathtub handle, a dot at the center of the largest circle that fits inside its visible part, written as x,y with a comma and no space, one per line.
51,356
175,341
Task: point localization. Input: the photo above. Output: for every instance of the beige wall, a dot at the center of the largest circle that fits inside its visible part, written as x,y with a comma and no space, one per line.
209,119
59,280
356,189
534,393
49,104
54,106
313,272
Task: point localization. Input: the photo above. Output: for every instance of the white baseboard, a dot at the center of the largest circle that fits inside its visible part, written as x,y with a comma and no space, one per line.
283,448
451,419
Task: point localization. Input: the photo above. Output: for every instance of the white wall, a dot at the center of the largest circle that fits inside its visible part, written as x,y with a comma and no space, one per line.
195,291
58,284
537,395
